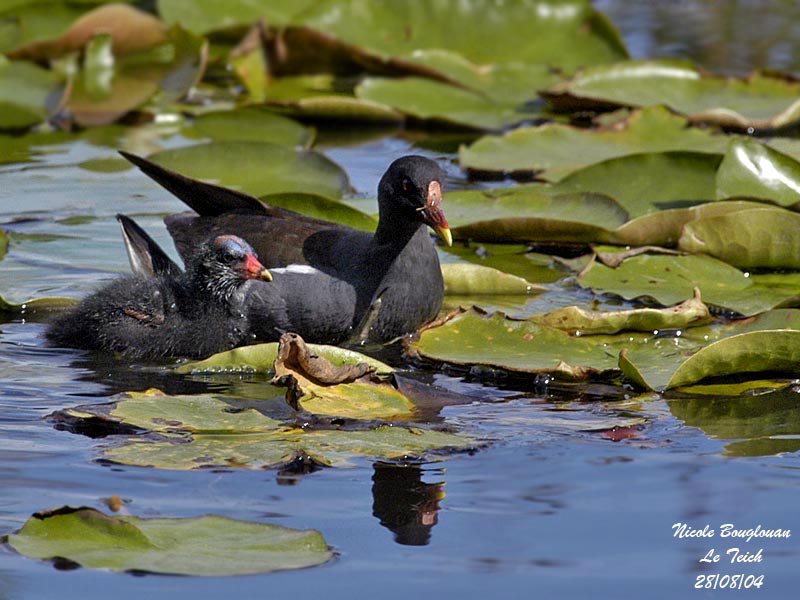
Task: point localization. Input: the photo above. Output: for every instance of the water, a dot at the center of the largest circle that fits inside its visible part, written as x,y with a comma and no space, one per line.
550,508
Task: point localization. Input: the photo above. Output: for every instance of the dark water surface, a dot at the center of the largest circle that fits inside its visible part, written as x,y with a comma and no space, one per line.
550,509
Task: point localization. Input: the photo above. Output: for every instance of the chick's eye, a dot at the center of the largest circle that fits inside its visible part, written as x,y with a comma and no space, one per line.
406,184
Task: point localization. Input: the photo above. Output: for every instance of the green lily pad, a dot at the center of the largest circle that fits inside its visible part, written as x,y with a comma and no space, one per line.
471,337
250,124
753,169
645,183
515,259
210,545
526,213
468,279
34,21
555,150
127,84
761,101
755,238
36,305
257,168
3,246
426,99
261,357
566,35
24,91
576,320
322,207
203,16
672,279
130,29
766,343
663,228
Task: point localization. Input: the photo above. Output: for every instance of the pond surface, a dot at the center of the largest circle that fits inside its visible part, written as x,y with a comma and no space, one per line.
556,505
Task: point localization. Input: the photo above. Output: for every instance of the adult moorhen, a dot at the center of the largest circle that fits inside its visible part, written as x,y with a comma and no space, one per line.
195,313
397,265
271,309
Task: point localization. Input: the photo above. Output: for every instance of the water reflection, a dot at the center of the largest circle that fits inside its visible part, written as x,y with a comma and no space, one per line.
405,504
761,425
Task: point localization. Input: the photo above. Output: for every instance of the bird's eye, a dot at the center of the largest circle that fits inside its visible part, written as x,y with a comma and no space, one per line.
406,184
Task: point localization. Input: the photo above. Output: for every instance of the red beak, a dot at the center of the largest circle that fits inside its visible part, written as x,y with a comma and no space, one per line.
253,269
432,214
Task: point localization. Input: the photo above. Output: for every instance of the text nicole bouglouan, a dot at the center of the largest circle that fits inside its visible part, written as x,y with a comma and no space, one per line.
735,555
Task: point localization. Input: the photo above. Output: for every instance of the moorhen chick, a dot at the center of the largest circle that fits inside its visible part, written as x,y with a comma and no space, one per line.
397,265
272,309
170,313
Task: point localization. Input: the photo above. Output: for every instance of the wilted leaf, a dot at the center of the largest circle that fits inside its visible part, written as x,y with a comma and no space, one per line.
257,168
467,279
318,386
672,279
555,150
210,545
753,169
767,237
574,319
761,101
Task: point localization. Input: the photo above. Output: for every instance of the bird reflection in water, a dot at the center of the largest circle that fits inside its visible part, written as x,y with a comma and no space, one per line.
405,504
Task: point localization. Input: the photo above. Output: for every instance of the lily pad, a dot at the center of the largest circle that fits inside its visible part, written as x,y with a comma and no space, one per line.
566,35
426,99
755,238
210,545
672,279
515,259
250,124
257,168
555,150
36,305
466,279
761,101
645,183
471,337
576,320
526,213
753,169
766,343
130,29
318,386
322,207
210,431
663,228
24,92
203,16
261,357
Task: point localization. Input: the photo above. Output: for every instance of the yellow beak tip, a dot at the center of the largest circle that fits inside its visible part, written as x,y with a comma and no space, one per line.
265,275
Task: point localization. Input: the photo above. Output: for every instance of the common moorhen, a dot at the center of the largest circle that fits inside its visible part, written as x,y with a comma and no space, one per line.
169,313
398,264
272,309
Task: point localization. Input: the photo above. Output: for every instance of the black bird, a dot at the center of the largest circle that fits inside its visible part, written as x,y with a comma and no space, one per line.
271,309
168,312
396,269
